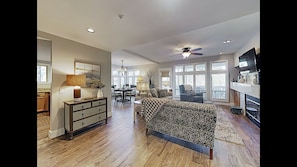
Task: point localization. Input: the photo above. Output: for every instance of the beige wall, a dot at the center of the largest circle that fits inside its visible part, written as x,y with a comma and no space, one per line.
64,53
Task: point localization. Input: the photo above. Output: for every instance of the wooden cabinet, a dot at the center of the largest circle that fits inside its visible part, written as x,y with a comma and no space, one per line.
42,101
236,98
84,114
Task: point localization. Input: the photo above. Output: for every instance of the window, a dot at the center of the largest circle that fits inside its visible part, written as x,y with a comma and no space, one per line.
43,73
219,78
178,81
193,74
129,77
133,74
189,68
179,69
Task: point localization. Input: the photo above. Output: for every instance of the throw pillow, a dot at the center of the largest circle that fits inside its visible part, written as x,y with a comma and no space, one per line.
162,93
154,92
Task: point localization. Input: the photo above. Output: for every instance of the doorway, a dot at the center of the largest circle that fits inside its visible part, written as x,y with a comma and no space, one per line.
165,79
44,81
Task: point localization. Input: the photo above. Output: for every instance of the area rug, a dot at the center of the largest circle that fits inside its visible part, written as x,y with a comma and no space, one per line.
225,131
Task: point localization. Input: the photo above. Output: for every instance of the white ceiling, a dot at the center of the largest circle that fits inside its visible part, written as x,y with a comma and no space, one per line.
151,31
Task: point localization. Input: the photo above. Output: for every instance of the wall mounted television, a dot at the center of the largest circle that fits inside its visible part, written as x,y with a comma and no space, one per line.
247,61
258,65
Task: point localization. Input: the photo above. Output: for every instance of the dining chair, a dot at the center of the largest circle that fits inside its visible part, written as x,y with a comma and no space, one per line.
115,94
131,93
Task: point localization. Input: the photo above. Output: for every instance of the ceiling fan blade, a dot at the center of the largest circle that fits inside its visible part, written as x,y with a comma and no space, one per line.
196,49
197,53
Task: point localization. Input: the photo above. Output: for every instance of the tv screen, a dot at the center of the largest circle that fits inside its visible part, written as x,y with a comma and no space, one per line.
247,61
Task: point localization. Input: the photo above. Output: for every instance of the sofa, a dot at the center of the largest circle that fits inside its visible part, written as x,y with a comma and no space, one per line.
159,93
188,121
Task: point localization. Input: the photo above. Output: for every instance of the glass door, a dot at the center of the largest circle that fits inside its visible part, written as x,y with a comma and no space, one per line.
219,84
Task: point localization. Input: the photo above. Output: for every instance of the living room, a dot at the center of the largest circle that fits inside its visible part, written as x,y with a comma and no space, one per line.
65,52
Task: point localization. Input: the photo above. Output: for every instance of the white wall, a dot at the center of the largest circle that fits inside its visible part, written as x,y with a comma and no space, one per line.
254,42
64,52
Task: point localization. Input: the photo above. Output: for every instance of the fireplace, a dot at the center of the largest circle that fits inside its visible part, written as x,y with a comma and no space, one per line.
252,108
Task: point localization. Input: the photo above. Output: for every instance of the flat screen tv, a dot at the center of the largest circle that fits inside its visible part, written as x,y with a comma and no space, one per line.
247,61
258,62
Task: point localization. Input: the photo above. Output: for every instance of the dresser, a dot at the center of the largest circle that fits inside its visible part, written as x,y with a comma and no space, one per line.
80,115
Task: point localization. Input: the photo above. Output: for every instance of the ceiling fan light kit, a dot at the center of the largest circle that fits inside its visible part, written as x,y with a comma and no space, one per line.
186,52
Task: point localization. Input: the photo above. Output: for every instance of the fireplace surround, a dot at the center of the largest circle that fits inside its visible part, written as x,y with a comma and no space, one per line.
252,108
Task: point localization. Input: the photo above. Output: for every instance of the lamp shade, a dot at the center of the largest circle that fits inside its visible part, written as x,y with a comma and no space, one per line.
139,79
76,80
143,86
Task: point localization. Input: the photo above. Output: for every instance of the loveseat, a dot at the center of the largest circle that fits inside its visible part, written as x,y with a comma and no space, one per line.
188,121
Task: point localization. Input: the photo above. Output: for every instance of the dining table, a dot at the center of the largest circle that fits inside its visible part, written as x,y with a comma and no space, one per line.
123,91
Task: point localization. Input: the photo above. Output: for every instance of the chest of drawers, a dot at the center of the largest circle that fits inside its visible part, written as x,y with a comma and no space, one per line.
84,114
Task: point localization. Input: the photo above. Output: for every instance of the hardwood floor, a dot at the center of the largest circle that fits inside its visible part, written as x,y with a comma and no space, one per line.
121,143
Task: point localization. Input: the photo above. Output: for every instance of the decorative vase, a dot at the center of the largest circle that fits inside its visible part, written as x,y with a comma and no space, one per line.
99,93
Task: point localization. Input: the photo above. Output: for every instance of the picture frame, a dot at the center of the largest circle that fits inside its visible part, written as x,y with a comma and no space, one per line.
91,70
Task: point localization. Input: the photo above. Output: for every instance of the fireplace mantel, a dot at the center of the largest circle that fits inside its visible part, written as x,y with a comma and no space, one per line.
249,89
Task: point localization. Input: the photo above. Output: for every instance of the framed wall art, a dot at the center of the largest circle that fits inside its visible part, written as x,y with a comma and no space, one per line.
92,72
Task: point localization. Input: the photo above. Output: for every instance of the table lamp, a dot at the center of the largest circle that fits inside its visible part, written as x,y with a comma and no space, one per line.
77,81
142,87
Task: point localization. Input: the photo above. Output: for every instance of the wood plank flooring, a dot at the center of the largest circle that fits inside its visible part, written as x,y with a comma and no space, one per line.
122,143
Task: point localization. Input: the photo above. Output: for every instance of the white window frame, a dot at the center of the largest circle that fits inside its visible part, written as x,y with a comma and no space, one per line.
48,73
124,79
226,71
182,73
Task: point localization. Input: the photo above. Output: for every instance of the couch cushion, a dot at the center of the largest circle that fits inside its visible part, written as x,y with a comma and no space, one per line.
154,92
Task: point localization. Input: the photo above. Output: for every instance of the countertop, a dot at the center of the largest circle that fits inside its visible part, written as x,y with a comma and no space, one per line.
40,90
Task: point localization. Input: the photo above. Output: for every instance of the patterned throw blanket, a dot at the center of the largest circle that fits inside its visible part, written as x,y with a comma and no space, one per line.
153,107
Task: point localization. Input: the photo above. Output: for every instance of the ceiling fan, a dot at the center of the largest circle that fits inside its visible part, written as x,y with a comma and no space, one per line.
186,52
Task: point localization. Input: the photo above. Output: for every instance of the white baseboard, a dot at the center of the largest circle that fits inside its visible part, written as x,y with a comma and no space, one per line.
56,133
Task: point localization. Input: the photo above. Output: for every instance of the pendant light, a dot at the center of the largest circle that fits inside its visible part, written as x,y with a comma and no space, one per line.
123,69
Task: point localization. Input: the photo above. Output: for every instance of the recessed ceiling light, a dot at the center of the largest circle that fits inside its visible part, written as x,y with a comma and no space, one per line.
220,53
227,41
90,30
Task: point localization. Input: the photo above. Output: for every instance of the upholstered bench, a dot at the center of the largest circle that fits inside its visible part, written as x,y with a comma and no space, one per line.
188,121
